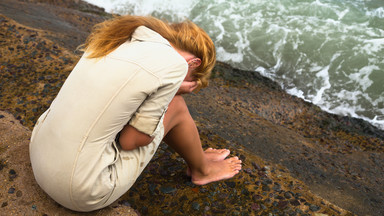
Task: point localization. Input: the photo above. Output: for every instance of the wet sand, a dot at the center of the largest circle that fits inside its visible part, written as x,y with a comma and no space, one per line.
298,160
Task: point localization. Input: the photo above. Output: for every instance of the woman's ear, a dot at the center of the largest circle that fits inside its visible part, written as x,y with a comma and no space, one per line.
194,63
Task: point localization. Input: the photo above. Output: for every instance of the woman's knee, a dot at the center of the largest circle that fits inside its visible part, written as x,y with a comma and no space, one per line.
178,106
177,112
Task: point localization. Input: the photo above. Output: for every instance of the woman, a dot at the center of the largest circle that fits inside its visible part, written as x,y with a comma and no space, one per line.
121,99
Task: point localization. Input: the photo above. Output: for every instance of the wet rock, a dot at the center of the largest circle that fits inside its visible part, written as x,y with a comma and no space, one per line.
195,206
276,187
268,201
12,174
267,181
167,189
245,192
314,208
265,188
3,164
230,184
124,203
255,207
248,170
152,188
11,190
263,206
218,207
288,195
283,204
257,197
256,166
242,158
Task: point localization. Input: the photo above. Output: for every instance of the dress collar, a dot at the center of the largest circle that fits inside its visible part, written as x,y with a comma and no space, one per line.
143,33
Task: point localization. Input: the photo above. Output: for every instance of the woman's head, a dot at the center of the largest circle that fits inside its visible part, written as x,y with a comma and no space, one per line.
191,38
185,36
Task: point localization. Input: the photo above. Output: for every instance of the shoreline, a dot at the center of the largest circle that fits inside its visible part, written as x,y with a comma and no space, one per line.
338,158
341,110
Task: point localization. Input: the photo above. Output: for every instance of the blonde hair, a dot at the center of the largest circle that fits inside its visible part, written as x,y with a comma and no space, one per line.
186,36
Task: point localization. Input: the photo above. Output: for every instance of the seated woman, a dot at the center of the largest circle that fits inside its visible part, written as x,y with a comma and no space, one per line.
119,102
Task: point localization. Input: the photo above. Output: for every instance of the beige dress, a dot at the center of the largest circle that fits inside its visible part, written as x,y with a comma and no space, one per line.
74,156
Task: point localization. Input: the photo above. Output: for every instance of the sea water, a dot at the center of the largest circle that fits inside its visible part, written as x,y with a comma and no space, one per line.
328,52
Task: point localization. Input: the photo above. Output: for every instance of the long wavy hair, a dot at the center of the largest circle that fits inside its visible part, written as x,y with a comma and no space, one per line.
186,36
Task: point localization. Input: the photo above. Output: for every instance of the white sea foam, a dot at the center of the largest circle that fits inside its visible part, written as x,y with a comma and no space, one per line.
323,74
362,76
323,51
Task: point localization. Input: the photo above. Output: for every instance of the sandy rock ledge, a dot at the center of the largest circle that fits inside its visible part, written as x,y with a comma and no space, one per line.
19,192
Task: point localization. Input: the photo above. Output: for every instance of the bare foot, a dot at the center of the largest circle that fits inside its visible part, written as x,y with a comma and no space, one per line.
217,170
216,154
213,155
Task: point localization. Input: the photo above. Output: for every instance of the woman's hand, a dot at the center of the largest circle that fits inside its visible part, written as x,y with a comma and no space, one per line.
187,87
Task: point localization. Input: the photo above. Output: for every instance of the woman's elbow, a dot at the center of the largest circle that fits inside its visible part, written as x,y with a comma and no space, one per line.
131,138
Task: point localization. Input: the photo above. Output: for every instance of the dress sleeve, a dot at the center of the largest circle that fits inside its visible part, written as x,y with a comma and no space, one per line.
148,115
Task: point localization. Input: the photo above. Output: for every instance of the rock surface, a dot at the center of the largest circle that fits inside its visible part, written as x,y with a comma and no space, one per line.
298,160
19,192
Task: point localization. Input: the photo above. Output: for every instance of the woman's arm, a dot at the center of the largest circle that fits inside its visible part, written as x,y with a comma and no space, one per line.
131,138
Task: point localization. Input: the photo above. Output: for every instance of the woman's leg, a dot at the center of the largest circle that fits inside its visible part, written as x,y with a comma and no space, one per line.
182,135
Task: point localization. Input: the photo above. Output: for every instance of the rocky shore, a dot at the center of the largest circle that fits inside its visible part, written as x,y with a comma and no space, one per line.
298,160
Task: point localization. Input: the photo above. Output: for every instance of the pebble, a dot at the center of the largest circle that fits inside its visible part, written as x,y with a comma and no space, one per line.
276,187
125,203
266,188
195,206
267,181
295,202
235,213
152,188
242,158
255,207
248,170
11,190
218,207
257,197
256,166
3,164
245,192
12,174
230,184
288,195
167,189
283,204
314,208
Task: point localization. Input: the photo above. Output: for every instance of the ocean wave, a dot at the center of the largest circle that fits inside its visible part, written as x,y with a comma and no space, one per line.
330,53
